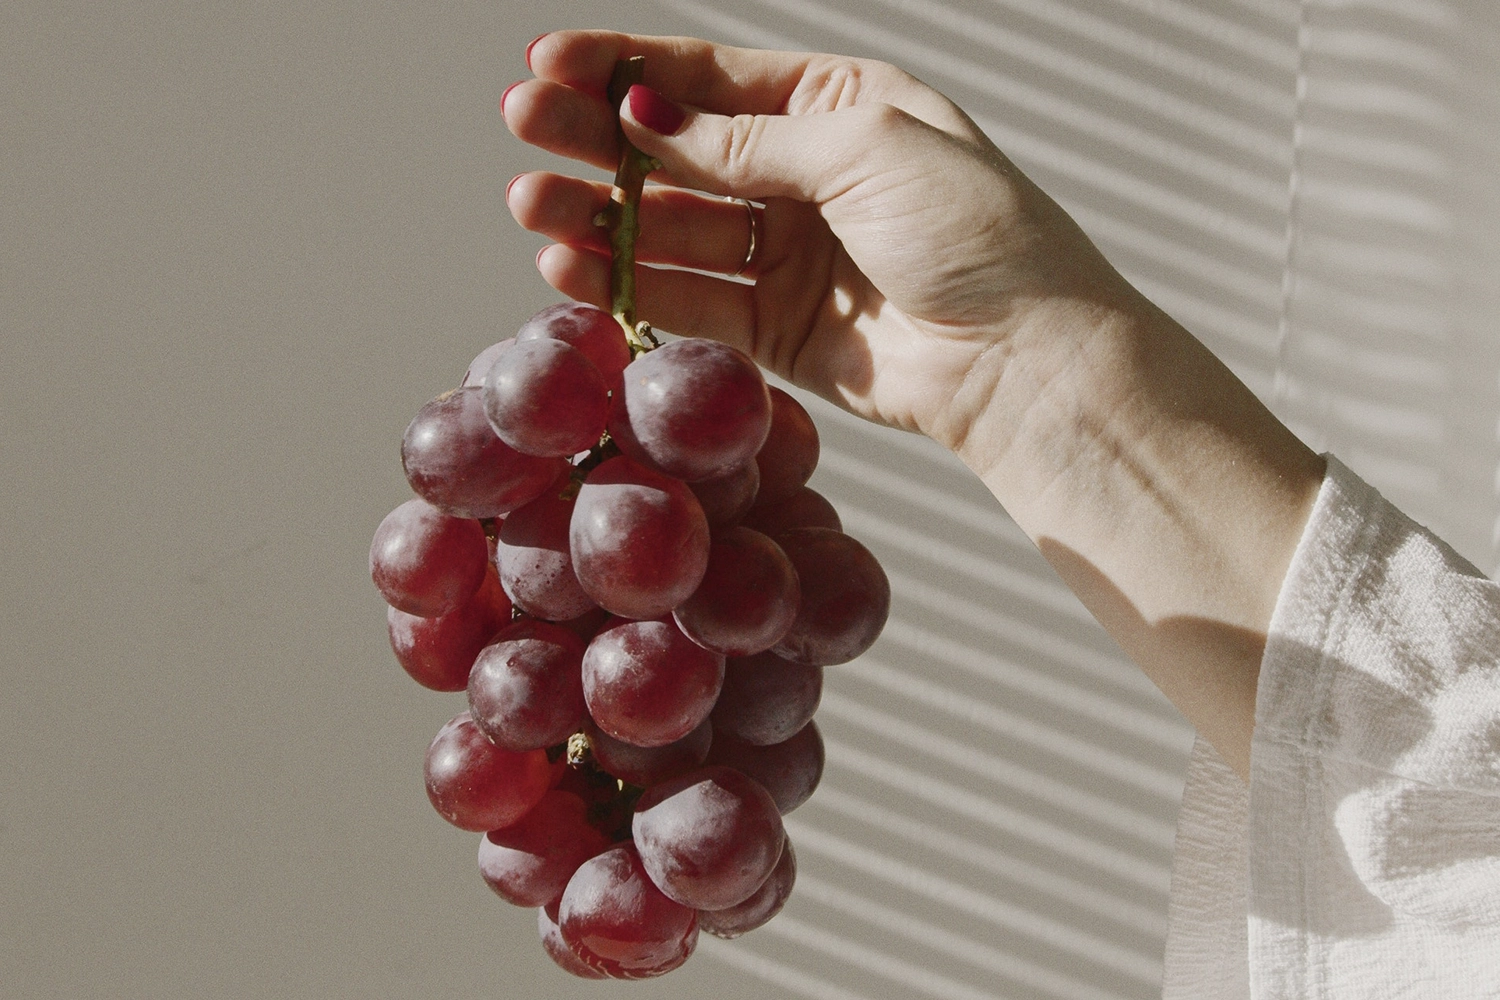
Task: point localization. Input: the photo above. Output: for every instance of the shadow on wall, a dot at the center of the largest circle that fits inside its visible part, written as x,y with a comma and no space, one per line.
1302,185
996,817
1383,359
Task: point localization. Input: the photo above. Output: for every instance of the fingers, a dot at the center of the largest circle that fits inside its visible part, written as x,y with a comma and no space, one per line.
564,110
680,302
677,228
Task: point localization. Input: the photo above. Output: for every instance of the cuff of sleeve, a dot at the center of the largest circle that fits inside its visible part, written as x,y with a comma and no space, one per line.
1373,763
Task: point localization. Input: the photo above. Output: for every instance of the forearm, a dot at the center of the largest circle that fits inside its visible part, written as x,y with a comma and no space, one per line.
1160,489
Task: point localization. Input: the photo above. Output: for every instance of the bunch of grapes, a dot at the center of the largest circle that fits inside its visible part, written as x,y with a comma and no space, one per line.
615,553
619,559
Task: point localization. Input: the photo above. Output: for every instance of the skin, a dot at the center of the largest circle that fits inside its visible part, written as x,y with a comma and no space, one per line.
907,271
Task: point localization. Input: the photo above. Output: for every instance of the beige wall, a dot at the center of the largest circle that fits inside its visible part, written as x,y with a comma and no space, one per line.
242,243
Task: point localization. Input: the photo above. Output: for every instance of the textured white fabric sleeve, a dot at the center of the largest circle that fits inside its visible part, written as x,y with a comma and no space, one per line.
1364,858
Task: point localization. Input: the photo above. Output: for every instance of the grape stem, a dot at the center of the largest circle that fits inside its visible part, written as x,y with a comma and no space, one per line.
621,219
621,215
579,750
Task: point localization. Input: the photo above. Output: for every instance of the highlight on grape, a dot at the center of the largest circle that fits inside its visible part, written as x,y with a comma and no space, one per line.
614,551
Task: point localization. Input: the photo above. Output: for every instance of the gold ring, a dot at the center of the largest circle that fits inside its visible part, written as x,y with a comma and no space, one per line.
754,235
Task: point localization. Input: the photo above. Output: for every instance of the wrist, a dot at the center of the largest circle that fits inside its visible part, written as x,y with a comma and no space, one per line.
1033,406
1162,491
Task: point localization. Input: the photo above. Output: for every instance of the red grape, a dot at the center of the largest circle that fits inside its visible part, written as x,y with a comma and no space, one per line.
543,397
609,809
484,361
789,770
708,838
526,688
805,508
648,684
845,597
477,786
790,454
557,949
638,539
588,624
536,566
594,332
529,862
646,766
425,562
623,434
438,652
762,905
727,499
695,409
616,920
766,699
454,461
748,598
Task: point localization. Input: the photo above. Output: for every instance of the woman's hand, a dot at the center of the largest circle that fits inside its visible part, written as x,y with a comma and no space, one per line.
908,271
900,259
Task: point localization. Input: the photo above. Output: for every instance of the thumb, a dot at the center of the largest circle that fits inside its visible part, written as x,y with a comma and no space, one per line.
812,158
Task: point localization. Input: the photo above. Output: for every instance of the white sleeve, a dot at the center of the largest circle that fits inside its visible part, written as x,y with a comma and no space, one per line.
1364,858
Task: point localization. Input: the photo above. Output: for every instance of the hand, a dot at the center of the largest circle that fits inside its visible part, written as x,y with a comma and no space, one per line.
906,270
901,259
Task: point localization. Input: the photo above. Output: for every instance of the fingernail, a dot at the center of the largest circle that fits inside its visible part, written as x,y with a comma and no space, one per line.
532,45
511,185
539,255
654,111
505,95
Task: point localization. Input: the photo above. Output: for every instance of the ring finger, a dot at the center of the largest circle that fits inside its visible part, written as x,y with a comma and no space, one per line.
678,228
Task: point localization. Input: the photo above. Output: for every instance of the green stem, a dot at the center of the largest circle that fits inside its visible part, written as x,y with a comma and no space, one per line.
621,216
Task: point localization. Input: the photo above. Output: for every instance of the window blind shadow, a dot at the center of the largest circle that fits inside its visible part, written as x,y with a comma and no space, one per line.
1382,359
1298,183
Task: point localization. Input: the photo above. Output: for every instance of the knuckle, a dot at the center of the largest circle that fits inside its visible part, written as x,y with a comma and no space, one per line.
742,138
879,121
832,83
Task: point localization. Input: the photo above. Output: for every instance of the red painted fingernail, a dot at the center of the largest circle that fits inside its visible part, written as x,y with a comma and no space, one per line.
505,95
654,111
532,45
511,185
